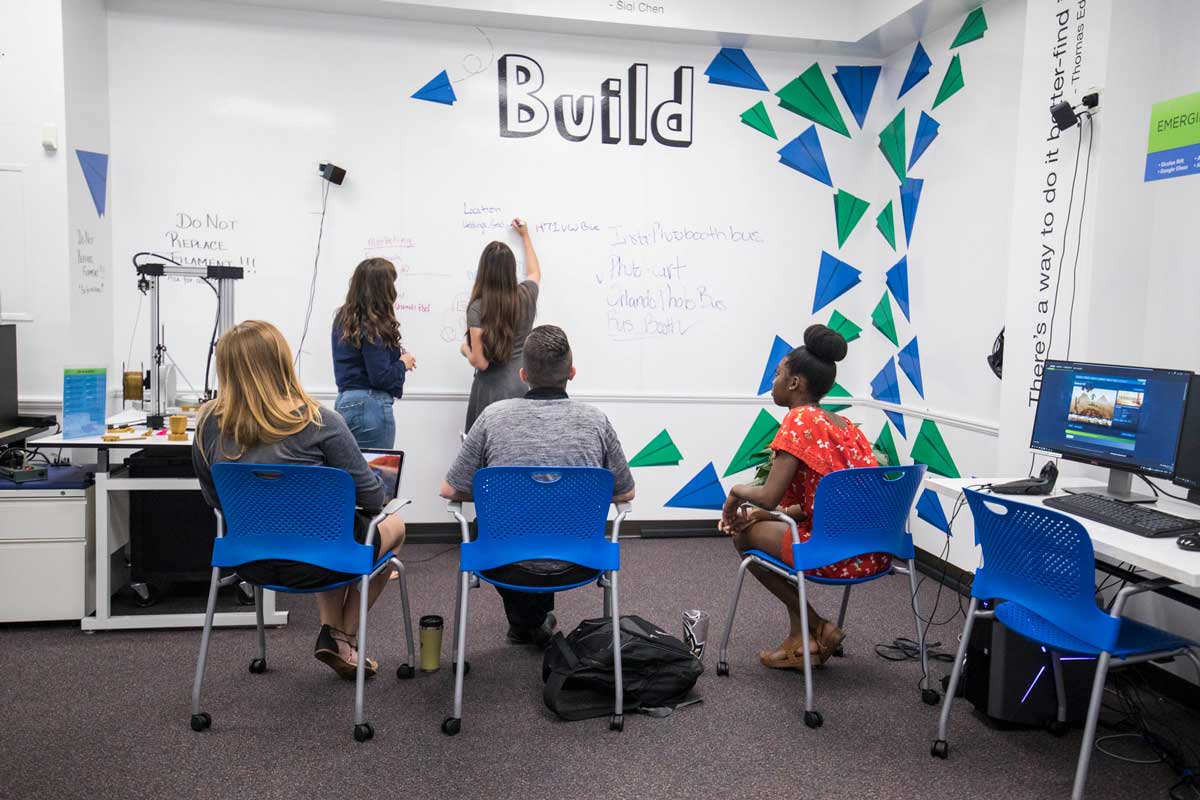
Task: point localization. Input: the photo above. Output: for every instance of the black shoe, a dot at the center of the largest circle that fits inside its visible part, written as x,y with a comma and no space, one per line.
538,637
326,651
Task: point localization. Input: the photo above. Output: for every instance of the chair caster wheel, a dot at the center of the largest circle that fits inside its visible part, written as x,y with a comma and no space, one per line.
363,732
451,726
201,721
404,671
813,719
940,749
466,667
1057,728
258,666
840,652
930,697
616,722
722,669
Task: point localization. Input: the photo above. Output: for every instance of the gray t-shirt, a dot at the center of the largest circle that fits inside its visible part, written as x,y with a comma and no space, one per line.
329,444
528,292
540,432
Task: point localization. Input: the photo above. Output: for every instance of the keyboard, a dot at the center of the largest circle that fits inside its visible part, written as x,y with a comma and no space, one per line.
1133,518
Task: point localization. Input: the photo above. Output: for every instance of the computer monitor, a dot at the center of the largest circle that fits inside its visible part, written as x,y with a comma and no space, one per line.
1187,463
1123,418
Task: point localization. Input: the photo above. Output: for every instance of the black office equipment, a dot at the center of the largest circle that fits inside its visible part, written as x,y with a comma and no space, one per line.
1042,484
8,377
1133,518
170,532
1187,462
1009,679
1124,418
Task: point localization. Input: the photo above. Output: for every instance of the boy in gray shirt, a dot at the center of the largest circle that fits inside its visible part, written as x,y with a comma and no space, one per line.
545,428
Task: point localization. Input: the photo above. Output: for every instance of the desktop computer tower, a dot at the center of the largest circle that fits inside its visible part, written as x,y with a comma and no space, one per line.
171,533
1009,679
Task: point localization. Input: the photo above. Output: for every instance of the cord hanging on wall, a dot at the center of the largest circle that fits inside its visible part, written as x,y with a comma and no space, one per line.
334,175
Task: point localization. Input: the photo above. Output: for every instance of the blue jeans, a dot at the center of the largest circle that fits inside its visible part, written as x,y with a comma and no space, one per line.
368,415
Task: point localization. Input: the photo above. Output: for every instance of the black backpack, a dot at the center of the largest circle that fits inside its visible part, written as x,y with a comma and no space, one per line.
658,669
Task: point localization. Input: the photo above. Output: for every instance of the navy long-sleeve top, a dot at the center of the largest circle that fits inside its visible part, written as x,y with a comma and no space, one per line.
371,366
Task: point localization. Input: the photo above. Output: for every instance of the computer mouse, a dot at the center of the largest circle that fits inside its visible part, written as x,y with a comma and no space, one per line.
1189,541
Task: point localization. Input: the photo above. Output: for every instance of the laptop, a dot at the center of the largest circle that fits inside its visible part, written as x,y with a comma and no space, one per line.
388,465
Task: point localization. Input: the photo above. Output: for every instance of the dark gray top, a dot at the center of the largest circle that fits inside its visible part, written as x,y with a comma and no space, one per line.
329,444
528,292
541,432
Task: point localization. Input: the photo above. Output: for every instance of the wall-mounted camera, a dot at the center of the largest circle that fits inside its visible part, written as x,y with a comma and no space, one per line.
1066,115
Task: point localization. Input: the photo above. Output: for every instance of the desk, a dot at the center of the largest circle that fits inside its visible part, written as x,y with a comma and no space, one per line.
1161,557
107,481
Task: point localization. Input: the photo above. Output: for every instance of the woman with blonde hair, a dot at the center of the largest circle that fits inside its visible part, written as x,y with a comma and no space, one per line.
499,317
263,416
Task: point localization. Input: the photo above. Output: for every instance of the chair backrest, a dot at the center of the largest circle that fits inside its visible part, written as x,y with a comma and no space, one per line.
861,510
528,513
288,511
1043,560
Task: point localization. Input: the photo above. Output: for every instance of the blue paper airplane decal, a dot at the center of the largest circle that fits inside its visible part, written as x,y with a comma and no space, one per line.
910,197
95,172
732,67
898,420
885,385
927,131
437,90
897,284
910,364
918,68
929,508
703,491
779,349
804,154
834,278
857,85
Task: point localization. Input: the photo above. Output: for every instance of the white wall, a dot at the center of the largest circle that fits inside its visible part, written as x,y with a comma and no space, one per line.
85,54
34,251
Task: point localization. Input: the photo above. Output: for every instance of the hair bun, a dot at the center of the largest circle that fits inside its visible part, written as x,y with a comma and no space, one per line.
824,343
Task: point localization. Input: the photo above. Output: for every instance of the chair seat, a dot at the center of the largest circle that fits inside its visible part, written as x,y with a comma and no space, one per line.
1133,638
383,559
762,556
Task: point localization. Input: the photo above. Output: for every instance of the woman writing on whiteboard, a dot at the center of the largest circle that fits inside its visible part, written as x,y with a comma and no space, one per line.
369,364
499,317
810,443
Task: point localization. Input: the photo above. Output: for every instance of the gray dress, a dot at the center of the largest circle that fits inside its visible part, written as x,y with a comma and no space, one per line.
502,381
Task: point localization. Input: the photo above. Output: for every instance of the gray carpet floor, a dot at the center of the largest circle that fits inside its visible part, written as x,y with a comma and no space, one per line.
106,715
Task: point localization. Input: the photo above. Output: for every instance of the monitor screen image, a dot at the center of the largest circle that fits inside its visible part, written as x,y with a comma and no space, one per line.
387,464
1122,417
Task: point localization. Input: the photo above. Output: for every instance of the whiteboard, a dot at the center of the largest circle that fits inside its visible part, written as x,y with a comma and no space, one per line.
671,268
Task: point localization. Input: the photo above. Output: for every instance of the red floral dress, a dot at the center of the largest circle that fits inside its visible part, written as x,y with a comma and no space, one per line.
822,447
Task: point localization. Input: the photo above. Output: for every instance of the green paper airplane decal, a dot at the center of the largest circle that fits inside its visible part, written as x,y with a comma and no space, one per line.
808,95
750,451
951,83
891,144
837,391
883,320
756,117
887,445
661,452
886,223
847,210
930,449
845,327
973,28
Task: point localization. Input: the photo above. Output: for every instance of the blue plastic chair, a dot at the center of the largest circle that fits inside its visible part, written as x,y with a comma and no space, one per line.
1041,564
297,513
530,513
856,511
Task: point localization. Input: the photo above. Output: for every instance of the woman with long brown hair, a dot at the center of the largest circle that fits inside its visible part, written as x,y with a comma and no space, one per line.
369,363
499,317
263,416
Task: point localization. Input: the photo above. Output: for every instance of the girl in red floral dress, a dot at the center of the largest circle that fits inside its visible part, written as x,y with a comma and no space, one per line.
811,443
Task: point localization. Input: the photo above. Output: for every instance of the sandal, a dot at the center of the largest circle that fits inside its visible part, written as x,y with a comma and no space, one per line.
829,638
328,653
788,655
